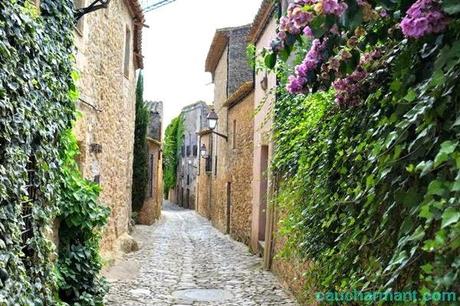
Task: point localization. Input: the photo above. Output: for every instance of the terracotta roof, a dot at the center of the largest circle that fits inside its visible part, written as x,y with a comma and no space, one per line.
139,19
261,20
240,94
218,45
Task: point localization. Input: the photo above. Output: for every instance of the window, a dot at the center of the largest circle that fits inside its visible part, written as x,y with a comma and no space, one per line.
195,150
127,52
189,148
78,4
182,150
234,135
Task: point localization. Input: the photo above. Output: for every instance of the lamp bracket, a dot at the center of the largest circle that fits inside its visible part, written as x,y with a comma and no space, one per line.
96,5
221,135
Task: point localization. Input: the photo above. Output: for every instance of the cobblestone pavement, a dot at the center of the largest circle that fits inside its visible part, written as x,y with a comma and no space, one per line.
181,258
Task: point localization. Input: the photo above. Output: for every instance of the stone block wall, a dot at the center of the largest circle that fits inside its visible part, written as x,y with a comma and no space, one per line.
204,181
151,210
107,104
240,152
238,69
194,117
232,71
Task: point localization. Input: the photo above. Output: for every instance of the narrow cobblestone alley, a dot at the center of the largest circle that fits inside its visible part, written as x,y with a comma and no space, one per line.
183,260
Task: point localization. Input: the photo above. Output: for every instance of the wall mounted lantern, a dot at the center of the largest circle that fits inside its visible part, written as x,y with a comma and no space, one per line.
212,123
203,151
96,5
204,154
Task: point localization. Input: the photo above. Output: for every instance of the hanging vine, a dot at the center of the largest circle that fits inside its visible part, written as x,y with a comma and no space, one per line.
367,131
39,180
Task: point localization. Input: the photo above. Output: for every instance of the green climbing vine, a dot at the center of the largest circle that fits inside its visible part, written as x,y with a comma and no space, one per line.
367,131
172,144
39,179
81,220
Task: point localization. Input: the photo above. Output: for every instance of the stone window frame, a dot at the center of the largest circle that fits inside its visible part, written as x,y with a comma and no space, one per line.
127,52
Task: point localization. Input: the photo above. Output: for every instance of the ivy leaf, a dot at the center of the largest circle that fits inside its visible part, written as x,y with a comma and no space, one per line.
447,148
411,96
436,188
270,60
451,7
424,167
457,122
450,216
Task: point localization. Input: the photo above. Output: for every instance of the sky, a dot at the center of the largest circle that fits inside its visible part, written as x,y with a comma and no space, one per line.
176,45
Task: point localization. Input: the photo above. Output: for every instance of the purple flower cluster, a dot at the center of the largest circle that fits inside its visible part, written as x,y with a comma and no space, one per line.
422,18
295,20
333,7
350,89
297,82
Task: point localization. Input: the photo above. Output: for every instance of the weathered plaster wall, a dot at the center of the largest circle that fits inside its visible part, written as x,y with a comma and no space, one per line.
107,104
264,100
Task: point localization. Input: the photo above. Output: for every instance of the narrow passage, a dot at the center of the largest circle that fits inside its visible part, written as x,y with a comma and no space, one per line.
183,260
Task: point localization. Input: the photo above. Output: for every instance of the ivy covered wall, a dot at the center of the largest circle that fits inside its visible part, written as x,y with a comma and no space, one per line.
172,143
367,131
39,179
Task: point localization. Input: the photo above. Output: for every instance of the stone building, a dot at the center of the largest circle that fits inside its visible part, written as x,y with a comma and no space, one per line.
225,175
151,210
194,118
108,54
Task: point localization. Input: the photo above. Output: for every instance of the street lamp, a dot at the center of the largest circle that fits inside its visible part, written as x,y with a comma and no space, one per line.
203,151
212,119
212,123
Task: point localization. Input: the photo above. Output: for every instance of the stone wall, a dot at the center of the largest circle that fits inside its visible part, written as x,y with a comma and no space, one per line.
203,206
231,72
240,153
219,178
194,117
151,210
107,104
238,69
